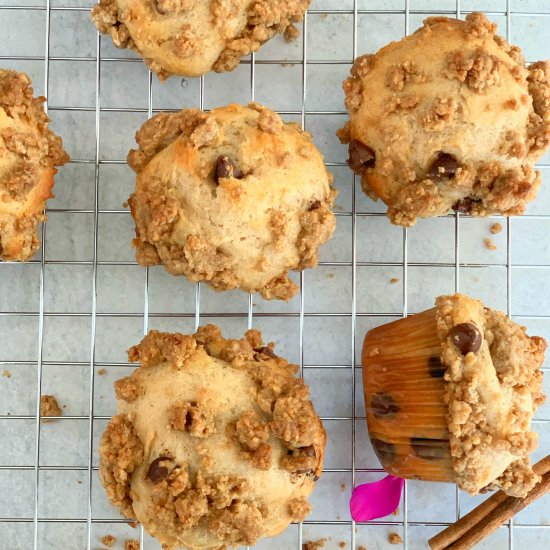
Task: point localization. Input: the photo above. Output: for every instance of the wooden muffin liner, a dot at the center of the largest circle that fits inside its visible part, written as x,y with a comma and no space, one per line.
404,398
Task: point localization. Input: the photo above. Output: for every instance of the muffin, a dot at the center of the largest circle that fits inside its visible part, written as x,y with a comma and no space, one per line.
29,153
233,197
450,394
448,118
192,37
215,442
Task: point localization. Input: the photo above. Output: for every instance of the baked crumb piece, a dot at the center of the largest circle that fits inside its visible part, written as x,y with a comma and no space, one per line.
299,509
394,280
49,407
489,244
108,540
102,372
343,487
396,512
131,544
394,538
496,228
194,418
361,547
342,544
6,373
314,545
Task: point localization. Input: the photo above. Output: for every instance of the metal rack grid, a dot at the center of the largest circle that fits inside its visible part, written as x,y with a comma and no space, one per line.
356,8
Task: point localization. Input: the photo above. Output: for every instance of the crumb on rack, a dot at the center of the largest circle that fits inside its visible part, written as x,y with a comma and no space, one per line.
330,275
489,244
314,545
49,407
342,544
343,487
361,547
108,540
496,228
6,373
394,538
131,544
394,280
395,512
132,524
102,371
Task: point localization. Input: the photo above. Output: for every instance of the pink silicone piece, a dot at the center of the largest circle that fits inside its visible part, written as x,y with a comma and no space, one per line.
376,500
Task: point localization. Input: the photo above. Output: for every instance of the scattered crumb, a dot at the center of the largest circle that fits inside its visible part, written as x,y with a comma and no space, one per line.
394,280
496,228
374,352
132,524
395,512
131,544
108,540
324,15
49,407
361,547
394,538
489,244
330,275
314,545
342,544
101,372
79,481
343,487
6,373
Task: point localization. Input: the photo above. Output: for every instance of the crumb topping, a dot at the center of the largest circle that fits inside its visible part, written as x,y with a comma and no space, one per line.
127,389
299,509
195,418
120,451
479,70
494,387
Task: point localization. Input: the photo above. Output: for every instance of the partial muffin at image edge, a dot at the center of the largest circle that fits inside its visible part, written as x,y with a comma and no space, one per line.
193,37
29,154
233,197
215,442
448,118
450,394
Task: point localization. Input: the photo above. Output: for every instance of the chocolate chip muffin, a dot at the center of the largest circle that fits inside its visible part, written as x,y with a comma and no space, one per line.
215,442
448,118
192,37
233,197
29,153
450,394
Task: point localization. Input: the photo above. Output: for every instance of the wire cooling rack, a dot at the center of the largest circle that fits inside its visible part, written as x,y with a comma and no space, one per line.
67,317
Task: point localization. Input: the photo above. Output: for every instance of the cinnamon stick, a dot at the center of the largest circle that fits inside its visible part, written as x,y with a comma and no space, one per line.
489,515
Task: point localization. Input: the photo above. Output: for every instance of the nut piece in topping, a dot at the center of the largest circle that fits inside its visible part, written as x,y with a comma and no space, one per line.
49,407
466,338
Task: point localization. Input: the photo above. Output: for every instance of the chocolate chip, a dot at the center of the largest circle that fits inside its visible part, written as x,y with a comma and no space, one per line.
437,370
383,405
314,206
385,451
430,449
265,350
226,168
444,166
466,337
361,156
157,472
309,450
464,206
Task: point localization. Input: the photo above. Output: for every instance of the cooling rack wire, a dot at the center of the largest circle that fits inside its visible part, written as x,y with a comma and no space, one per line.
34,485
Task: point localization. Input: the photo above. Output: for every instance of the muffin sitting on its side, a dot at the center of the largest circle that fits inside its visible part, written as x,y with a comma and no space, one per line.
448,118
215,443
234,197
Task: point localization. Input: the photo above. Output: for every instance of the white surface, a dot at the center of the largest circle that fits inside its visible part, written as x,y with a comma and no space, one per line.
65,360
